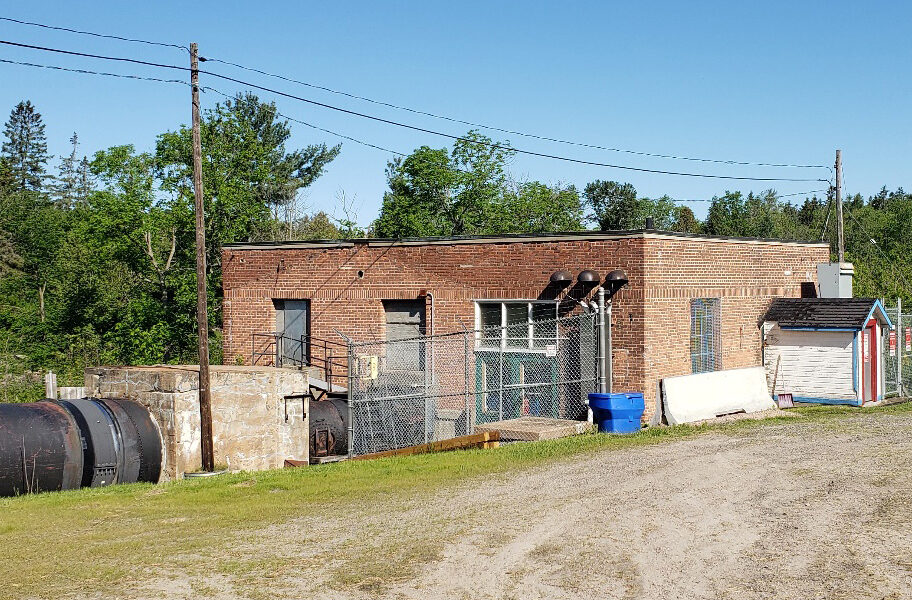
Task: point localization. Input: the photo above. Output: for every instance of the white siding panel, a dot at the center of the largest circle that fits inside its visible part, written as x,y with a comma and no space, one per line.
817,364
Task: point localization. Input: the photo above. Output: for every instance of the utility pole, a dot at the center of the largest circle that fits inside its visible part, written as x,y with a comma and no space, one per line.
202,292
839,223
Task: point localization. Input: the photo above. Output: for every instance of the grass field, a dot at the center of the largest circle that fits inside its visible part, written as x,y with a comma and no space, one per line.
86,541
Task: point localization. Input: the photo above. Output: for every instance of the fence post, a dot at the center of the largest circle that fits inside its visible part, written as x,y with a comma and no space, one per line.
50,386
468,406
351,397
900,344
500,384
427,397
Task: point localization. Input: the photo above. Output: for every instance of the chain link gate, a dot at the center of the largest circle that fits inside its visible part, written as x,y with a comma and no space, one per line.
432,388
897,353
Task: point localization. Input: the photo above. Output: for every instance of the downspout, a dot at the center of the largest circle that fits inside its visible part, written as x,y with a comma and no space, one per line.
604,346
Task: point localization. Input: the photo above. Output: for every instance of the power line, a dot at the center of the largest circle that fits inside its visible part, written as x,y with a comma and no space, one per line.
318,128
422,112
92,33
99,56
777,196
88,72
874,243
511,131
492,145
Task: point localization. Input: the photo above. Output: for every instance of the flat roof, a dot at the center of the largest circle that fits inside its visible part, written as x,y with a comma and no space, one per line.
513,238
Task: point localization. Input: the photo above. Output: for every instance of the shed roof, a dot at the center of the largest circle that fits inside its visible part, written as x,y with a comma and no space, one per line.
824,313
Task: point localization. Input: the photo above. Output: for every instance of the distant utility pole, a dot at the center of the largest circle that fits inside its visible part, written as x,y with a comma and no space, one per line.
839,223
202,292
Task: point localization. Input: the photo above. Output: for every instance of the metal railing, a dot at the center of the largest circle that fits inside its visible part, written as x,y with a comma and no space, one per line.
278,350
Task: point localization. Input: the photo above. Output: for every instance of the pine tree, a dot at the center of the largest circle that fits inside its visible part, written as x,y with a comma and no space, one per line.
25,147
84,181
66,187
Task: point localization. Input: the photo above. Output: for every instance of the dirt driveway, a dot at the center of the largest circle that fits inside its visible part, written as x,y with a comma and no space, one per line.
804,510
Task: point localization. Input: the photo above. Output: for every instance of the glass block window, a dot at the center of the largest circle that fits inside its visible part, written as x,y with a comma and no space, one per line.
705,335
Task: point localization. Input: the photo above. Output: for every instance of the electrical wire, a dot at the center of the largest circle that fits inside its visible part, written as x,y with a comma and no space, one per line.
492,145
777,196
874,243
88,72
98,56
497,146
510,131
92,33
318,128
418,111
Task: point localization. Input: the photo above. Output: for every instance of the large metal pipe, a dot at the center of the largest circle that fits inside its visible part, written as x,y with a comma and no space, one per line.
40,449
89,442
329,427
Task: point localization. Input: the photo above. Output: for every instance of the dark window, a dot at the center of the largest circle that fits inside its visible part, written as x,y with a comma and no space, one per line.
705,335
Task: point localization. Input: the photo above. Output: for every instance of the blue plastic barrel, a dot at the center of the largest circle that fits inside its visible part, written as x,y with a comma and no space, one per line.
617,413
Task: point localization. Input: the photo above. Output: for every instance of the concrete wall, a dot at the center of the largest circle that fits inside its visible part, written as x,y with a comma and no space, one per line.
250,431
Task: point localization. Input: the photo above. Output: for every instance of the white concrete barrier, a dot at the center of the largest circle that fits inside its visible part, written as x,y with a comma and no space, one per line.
690,398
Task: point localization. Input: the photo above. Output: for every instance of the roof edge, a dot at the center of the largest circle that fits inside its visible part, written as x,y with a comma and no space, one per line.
512,238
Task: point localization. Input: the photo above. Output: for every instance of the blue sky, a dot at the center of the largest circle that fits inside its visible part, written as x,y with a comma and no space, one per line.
765,82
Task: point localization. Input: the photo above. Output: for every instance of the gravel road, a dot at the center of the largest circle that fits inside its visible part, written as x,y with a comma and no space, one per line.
801,510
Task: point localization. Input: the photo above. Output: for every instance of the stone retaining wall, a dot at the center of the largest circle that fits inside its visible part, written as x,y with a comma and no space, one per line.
254,427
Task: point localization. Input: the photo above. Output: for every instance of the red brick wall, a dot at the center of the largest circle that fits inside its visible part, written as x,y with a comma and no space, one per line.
745,275
651,338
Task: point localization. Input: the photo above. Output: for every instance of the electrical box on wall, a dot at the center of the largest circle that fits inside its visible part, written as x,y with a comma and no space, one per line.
835,280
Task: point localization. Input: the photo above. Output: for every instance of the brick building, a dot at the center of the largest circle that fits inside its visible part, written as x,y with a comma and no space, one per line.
693,303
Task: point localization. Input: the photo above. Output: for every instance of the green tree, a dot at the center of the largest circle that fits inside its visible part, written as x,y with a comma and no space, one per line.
535,207
435,193
25,148
615,206
73,182
246,168
685,221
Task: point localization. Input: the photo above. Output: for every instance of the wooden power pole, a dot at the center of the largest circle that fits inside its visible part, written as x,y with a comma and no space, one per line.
202,292
839,222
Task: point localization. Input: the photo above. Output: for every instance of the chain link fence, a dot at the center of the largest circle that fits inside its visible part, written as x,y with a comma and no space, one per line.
897,354
431,388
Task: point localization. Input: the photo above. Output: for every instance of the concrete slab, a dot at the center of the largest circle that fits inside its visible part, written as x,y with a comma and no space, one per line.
534,429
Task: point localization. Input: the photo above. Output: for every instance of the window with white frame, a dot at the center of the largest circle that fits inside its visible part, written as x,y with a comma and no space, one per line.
705,335
516,324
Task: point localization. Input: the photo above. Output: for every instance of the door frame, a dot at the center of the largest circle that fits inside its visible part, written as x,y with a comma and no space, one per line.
872,383
305,346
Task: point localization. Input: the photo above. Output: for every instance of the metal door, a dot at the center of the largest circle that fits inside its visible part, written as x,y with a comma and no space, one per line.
293,327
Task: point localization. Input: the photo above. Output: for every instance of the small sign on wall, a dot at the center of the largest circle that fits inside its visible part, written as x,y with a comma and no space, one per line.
866,352
893,343
908,339
785,401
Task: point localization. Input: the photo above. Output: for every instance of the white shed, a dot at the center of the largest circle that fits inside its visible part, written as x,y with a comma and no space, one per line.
825,350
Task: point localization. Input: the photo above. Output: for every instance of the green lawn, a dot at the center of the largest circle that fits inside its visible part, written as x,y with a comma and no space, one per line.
87,540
